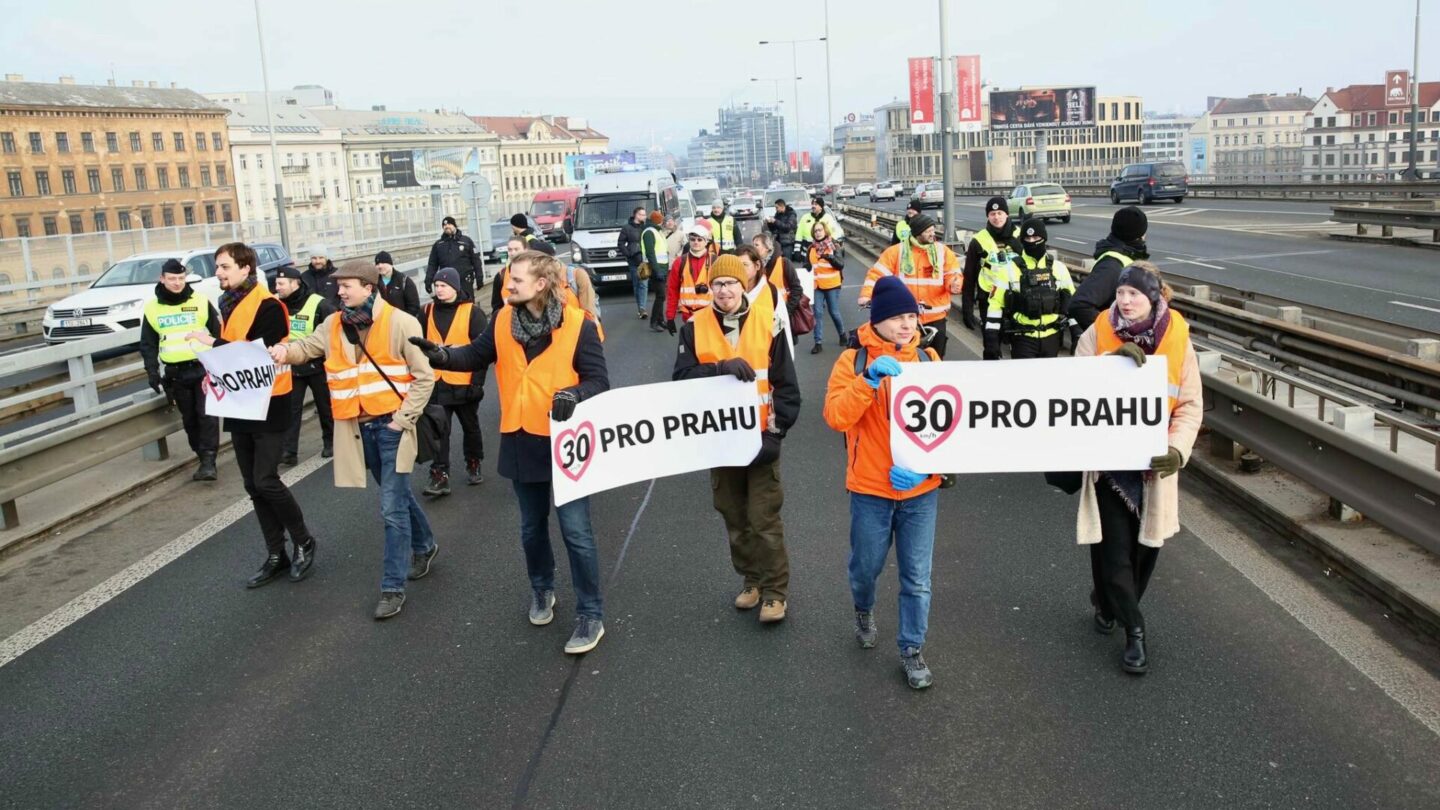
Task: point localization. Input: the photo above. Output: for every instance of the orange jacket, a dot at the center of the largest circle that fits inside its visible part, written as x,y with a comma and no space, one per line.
930,285
862,413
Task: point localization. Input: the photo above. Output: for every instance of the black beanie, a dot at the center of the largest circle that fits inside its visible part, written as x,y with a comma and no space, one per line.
997,204
448,221
920,222
890,297
1034,227
383,257
519,221
1129,224
914,204
173,266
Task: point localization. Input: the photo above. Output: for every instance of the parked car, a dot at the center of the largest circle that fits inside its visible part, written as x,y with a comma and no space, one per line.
1148,182
500,234
745,207
116,300
554,210
865,188
1042,200
930,195
883,190
846,193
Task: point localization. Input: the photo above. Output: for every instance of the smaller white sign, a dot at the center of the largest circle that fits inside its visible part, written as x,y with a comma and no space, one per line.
807,281
1063,413
239,379
649,431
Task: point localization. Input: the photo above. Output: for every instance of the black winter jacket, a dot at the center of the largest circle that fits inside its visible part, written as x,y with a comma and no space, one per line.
783,228
322,281
456,251
629,241
400,292
444,314
1097,292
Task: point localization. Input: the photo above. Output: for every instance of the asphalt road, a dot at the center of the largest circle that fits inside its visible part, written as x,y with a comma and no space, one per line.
188,690
1273,248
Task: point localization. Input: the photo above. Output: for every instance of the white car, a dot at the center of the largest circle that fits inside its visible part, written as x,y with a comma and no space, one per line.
865,188
883,191
846,193
744,207
930,195
116,300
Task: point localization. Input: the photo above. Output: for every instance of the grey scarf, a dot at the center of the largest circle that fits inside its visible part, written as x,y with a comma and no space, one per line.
525,327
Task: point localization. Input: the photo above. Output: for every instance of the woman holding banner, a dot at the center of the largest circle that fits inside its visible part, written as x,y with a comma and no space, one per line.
1126,515
548,358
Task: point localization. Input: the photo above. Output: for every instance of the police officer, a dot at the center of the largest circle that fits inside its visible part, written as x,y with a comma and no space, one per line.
1125,244
998,243
174,312
722,226
455,249
307,310
1032,302
902,227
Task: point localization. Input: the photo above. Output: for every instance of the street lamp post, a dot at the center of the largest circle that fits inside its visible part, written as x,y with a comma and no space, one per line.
829,101
795,65
1412,172
946,91
270,125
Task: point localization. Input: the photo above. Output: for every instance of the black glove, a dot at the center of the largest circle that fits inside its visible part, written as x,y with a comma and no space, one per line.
670,326
769,449
1076,330
156,384
438,355
562,405
1131,351
992,344
736,367
429,287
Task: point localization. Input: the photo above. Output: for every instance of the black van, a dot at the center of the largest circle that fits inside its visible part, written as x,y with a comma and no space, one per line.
1147,182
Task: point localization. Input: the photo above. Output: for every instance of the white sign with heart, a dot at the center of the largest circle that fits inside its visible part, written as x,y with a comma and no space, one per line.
238,381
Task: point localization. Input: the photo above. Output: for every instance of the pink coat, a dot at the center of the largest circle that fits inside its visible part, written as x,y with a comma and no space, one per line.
1161,512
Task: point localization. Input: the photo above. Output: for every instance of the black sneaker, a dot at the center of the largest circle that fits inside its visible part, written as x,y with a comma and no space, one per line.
917,673
865,631
420,563
390,604
588,633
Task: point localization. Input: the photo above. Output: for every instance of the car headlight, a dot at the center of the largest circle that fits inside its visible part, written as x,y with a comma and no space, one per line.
50,313
576,254
126,306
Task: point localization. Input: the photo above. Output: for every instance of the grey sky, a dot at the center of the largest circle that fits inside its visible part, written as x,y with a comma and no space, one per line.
663,71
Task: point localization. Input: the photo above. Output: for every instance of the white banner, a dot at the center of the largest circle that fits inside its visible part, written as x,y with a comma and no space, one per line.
1040,415
648,431
240,376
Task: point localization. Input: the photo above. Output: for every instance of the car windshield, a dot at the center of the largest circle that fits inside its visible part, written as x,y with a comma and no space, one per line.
132,271
791,196
547,208
1170,170
750,201
687,208
499,234
609,210
704,197
1045,190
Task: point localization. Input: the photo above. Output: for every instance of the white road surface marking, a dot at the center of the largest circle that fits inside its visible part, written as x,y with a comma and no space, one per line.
1414,306
1192,261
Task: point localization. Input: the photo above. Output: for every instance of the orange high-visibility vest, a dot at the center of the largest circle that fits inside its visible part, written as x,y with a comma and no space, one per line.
777,277
1177,337
690,300
458,335
237,328
827,277
528,386
753,345
926,283
357,387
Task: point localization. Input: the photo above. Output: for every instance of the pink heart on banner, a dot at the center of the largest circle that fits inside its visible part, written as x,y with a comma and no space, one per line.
929,436
218,391
580,451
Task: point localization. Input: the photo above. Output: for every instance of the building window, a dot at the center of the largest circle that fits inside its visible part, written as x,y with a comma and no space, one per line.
67,181
134,146
216,143
124,220
52,228
92,177
199,147
184,176
117,179
209,213
1330,160
205,176
220,174
259,161
167,216
62,142
77,223
157,142
17,183
179,142
7,142
100,222
188,211
22,226
140,184
241,158
162,177
87,142
1329,140
146,220
37,146
42,182
225,213
112,142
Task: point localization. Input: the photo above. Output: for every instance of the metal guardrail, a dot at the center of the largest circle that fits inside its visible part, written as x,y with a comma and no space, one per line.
1242,191
1388,218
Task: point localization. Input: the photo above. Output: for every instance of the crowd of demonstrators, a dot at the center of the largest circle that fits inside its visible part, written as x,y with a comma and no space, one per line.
745,337
170,317
452,319
307,310
928,268
456,250
828,265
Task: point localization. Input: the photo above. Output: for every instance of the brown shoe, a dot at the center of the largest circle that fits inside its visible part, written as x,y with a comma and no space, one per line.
748,598
772,611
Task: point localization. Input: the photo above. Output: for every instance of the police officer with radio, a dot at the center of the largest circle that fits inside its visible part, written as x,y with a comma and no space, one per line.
307,309
990,249
1031,302
173,313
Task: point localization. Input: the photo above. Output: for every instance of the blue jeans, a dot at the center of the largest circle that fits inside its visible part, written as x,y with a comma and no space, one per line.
579,545
407,531
641,287
911,522
829,300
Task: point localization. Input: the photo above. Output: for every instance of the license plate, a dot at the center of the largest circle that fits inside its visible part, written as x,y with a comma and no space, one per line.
615,277
1170,185
72,323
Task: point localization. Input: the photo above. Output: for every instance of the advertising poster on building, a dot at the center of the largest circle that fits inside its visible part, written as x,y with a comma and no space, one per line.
579,168
397,169
1198,157
1046,108
922,96
410,168
967,93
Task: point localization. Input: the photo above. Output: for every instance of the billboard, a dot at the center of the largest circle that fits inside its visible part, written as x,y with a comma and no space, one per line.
922,96
1048,108
397,169
1397,88
409,168
967,93
1198,148
579,168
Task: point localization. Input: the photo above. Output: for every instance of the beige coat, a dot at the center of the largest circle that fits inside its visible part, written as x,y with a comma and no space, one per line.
349,451
1161,517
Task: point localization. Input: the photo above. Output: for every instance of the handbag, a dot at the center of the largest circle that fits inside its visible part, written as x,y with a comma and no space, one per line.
432,416
643,273
802,320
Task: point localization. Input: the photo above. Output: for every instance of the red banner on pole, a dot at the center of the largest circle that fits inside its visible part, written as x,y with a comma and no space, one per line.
804,161
967,93
794,162
922,96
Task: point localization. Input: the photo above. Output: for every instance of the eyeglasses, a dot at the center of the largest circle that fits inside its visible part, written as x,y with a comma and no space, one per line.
722,283
698,239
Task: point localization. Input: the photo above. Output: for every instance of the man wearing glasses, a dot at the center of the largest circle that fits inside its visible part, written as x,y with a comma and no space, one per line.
688,284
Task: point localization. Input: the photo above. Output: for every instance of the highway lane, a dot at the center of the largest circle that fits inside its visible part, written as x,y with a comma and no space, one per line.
188,690
1275,248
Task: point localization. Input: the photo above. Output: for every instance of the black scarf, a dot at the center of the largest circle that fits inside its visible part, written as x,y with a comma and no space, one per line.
171,299
525,327
230,299
1137,249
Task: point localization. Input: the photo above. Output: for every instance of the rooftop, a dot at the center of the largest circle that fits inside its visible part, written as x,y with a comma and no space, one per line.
391,122
287,118
1259,103
1372,96
41,94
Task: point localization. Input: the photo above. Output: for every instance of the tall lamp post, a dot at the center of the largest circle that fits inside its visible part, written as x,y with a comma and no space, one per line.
270,125
1412,172
795,65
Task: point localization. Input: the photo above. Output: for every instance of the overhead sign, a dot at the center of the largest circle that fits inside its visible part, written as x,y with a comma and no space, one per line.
1048,108
647,431
238,380
1397,88
967,93
1041,415
922,95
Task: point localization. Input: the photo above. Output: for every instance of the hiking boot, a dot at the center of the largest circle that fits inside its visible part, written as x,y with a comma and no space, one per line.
1134,660
328,451
439,483
290,459
389,605
303,559
772,610
274,566
865,630
473,475
917,673
541,603
748,598
588,633
206,471
420,563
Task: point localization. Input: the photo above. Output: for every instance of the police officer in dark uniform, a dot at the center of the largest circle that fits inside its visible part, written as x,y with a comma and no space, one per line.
454,249
176,311
308,310
1031,302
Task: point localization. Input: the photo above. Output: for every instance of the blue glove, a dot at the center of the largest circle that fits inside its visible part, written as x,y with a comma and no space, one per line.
882,367
902,479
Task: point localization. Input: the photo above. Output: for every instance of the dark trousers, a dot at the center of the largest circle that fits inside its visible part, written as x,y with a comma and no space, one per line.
258,455
1023,347
941,339
749,499
658,282
320,392
1120,565
473,443
202,431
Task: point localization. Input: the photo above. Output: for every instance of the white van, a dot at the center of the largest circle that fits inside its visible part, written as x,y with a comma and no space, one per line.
604,207
704,192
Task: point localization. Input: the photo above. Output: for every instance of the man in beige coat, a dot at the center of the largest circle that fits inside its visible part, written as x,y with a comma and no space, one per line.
379,384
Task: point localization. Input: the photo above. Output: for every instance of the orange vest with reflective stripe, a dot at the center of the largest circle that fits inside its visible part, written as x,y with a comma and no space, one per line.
237,327
690,300
926,283
571,300
357,387
528,386
777,277
458,335
1173,345
754,344
826,276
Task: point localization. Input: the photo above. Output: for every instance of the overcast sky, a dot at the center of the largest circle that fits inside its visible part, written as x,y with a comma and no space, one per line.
662,73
